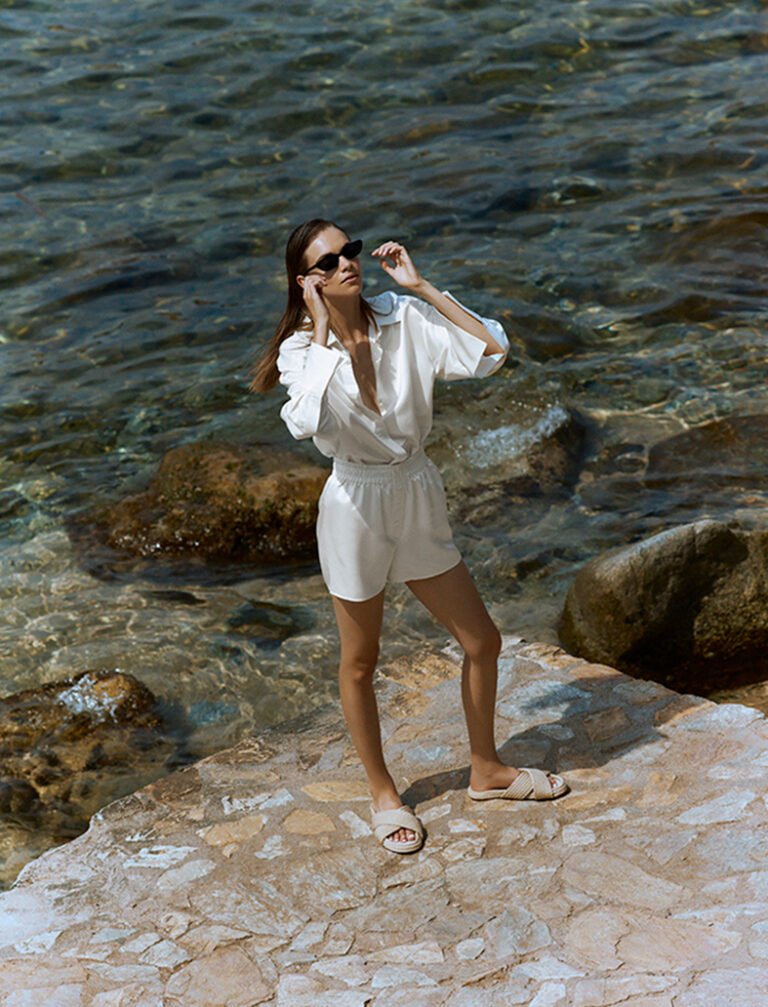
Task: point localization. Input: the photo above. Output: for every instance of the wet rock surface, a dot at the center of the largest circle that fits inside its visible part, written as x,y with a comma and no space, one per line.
685,607
213,502
62,748
718,468
725,459
536,458
253,878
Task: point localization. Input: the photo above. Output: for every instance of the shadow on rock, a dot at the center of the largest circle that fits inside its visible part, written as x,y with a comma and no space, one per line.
581,724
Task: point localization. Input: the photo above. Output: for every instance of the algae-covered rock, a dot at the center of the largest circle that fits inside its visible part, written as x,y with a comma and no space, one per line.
212,500
685,607
68,747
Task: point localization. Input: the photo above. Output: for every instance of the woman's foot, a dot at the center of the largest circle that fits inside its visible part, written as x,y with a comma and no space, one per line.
498,777
391,802
391,823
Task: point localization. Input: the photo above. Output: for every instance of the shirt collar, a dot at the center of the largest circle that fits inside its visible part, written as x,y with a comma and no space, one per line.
388,307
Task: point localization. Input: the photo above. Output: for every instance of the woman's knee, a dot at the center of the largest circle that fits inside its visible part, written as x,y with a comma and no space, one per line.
358,668
485,646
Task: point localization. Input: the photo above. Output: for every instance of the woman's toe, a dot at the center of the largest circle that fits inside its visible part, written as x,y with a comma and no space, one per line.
403,836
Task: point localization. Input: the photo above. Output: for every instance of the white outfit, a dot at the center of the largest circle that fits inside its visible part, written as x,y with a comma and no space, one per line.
382,512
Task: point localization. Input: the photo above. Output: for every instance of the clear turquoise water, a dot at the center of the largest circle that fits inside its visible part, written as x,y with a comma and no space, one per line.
594,174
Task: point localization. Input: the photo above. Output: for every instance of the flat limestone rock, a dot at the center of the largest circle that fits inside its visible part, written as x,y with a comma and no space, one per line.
253,878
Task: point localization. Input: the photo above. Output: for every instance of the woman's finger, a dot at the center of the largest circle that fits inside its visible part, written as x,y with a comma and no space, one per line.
313,284
388,248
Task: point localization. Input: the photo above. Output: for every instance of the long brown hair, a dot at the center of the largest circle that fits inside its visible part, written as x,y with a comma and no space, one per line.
295,316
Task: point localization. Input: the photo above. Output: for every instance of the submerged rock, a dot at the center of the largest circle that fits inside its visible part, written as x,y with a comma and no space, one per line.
268,624
63,745
685,607
212,500
723,457
519,461
722,462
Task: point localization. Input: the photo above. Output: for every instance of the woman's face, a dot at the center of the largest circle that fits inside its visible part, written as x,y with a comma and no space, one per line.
342,280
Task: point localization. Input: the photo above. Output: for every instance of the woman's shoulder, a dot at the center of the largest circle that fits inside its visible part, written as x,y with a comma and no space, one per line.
298,342
389,306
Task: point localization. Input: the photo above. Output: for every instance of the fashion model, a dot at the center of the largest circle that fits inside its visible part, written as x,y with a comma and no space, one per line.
360,376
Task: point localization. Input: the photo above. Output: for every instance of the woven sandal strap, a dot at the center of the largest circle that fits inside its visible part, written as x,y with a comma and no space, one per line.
520,787
389,821
527,782
540,783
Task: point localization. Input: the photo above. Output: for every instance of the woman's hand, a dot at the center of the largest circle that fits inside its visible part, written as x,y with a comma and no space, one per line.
315,302
397,263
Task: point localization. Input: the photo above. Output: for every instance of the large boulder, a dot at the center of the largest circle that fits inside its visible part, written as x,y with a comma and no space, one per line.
686,607
214,501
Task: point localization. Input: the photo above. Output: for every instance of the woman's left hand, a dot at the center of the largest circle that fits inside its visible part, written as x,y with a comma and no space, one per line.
397,263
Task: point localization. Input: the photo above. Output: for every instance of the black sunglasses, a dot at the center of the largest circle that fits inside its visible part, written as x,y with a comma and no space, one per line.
330,261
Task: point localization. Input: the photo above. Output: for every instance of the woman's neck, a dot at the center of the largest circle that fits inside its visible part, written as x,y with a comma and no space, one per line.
348,321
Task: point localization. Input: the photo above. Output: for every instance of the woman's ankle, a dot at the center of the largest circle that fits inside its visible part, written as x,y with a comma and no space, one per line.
384,797
488,769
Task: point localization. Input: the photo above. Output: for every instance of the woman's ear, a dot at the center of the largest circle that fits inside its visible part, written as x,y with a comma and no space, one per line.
300,281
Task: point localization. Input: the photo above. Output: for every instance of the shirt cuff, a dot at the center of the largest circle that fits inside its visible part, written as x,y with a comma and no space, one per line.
320,364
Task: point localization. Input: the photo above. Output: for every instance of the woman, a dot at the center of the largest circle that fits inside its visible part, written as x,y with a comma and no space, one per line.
360,377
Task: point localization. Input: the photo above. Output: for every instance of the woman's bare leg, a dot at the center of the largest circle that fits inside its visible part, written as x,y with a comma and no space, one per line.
359,625
454,600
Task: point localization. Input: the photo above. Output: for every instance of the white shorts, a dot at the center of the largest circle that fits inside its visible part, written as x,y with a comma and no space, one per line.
379,523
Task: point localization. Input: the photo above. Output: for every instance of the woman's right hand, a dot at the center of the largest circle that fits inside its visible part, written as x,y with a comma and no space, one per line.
315,302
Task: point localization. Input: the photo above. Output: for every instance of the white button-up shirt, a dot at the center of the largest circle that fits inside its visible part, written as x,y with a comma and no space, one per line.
411,345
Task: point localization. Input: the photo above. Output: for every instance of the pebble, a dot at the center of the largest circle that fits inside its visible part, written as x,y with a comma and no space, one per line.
308,823
357,827
193,870
425,953
728,808
577,835
549,995
349,969
165,955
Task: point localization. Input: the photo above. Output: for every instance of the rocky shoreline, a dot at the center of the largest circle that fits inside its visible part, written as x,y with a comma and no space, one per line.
143,579
252,878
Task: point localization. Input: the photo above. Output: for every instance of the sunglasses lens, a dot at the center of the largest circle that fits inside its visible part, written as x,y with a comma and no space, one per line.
330,261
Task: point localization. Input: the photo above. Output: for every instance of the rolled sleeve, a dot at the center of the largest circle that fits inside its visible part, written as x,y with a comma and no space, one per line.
462,355
306,369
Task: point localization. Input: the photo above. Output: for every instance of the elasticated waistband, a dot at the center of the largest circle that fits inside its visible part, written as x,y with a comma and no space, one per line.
383,475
